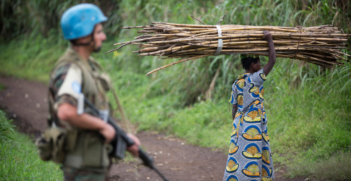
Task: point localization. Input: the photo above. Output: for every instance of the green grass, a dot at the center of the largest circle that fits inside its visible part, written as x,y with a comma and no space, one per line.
308,108
19,159
336,167
309,124
31,59
5,128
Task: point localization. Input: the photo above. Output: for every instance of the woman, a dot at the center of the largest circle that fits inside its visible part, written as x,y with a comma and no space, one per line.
249,152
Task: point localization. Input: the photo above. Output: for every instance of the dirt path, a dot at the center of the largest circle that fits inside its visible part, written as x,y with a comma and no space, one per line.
26,103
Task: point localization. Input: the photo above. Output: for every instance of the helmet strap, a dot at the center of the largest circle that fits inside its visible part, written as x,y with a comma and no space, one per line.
83,44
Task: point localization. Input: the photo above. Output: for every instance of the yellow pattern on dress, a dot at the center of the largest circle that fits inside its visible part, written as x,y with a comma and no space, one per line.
252,134
232,166
241,83
252,152
232,179
233,148
253,116
240,99
265,156
265,137
252,170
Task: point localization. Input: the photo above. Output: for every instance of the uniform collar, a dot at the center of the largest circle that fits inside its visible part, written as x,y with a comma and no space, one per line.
74,54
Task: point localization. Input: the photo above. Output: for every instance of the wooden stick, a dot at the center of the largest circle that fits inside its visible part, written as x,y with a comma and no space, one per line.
184,60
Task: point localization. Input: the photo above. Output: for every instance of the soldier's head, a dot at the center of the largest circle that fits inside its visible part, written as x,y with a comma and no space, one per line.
81,25
251,64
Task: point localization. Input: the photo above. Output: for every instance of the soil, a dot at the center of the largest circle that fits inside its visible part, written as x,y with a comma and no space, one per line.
26,103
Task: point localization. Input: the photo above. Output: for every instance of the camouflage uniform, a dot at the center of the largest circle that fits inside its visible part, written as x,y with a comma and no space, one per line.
72,174
86,154
56,80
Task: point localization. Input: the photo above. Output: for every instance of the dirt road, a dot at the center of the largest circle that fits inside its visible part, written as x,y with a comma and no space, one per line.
26,103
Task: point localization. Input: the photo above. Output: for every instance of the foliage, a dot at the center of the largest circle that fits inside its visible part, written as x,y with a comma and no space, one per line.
19,158
336,167
41,16
5,128
308,108
309,123
25,57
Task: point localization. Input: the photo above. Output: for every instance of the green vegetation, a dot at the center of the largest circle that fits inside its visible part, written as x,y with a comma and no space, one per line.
43,17
5,128
19,157
337,167
308,107
26,58
310,123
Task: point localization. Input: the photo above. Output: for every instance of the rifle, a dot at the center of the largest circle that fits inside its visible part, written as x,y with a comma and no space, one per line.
122,141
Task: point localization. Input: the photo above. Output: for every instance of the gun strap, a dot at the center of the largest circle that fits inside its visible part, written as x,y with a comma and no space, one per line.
124,118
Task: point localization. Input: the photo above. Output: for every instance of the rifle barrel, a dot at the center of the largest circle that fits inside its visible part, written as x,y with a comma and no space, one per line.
160,174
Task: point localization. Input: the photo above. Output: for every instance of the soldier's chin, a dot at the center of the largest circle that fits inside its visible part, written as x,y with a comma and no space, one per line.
97,49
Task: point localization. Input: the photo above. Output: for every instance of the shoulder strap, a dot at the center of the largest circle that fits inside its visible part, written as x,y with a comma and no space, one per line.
125,120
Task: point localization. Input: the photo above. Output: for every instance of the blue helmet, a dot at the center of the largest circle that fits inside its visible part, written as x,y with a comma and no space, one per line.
79,21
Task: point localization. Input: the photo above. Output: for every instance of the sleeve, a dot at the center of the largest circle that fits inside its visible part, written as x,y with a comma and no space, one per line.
257,78
67,81
233,95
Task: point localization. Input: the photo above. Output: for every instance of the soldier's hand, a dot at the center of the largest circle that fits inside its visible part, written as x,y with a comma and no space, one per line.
134,149
267,35
108,132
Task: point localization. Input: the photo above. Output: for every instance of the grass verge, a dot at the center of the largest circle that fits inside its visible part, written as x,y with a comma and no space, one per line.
19,158
336,167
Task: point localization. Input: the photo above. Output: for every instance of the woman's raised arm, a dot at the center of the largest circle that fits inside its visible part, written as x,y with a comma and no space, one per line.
268,67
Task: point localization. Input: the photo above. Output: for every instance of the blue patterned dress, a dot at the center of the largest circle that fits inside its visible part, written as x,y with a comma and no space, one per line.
249,157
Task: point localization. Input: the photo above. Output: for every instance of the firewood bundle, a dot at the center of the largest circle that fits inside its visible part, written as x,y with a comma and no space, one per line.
321,45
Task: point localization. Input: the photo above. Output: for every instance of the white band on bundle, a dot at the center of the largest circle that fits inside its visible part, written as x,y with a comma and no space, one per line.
220,41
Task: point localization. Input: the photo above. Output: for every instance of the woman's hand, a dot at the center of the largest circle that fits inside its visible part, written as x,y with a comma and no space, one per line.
267,35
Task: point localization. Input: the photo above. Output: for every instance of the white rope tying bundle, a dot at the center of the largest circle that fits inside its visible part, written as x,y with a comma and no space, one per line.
220,41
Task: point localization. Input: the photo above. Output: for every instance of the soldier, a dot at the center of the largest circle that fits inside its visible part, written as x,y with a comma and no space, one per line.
75,74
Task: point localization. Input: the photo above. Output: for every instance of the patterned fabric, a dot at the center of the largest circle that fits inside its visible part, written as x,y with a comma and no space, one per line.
249,157
56,79
71,174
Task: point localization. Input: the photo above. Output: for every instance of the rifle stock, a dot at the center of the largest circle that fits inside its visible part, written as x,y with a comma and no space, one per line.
122,141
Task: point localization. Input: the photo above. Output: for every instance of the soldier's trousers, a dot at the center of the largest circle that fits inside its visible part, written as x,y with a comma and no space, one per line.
72,174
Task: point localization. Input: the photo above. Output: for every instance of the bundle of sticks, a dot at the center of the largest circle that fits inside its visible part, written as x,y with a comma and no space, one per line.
321,45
